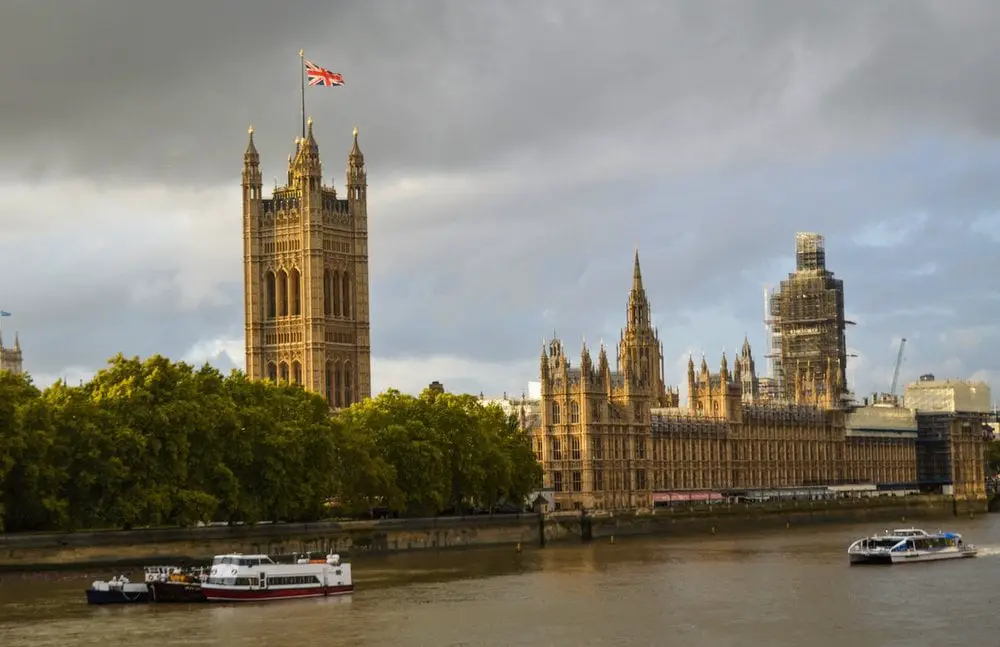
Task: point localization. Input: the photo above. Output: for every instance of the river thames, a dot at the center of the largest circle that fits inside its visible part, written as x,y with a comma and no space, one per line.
771,589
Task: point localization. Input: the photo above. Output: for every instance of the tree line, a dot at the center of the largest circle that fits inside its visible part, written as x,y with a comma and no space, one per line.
157,442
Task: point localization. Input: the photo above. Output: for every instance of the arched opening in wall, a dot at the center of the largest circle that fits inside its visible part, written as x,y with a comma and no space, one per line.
272,371
337,387
281,279
574,413
335,289
348,382
295,291
330,369
283,371
347,294
270,304
297,372
555,413
327,305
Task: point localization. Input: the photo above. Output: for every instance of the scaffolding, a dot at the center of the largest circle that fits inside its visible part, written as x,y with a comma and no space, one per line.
810,252
805,318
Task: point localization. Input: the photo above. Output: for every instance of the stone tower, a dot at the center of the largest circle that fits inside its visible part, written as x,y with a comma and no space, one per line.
11,359
640,353
305,260
809,326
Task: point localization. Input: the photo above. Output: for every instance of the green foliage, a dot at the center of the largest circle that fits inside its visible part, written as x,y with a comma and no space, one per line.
435,452
992,457
157,442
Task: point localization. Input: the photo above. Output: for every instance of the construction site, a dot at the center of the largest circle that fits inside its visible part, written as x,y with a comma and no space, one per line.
806,325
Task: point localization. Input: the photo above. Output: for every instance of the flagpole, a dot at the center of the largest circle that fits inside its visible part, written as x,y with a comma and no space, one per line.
302,72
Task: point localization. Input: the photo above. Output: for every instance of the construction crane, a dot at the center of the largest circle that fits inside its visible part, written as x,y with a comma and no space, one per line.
895,372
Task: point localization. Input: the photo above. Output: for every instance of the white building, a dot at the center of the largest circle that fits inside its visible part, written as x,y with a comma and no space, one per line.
928,395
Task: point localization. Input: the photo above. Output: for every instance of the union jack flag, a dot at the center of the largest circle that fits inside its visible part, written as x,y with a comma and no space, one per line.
321,76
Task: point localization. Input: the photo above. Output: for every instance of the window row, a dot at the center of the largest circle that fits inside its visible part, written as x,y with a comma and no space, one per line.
283,293
617,448
596,406
617,481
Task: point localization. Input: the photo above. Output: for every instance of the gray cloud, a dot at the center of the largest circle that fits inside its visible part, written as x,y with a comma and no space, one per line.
517,152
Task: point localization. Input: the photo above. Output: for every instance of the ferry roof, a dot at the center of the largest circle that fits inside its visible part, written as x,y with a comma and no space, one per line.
242,556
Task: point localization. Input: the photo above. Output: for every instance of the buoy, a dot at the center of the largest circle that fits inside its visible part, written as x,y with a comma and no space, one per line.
713,530
788,524
518,546
903,518
612,539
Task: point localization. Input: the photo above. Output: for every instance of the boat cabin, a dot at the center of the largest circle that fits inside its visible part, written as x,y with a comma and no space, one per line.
236,559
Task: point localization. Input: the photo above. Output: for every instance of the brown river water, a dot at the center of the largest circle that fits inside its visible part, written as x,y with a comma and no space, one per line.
770,589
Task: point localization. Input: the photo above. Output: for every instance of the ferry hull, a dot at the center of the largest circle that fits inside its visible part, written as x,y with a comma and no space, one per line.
871,558
180,592
906,558
213,594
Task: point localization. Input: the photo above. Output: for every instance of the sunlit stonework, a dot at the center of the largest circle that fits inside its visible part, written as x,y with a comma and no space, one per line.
305,259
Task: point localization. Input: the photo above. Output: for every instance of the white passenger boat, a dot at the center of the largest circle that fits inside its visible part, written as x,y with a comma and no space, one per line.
236,578
909,545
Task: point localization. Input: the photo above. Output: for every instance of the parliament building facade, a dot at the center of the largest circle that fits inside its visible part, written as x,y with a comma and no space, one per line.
617,438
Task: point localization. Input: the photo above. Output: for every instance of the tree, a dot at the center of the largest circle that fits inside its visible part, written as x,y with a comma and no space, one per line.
993,457
157,442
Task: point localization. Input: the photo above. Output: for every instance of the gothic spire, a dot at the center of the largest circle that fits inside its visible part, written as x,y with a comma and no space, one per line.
638,304
356,156
250,156
637,273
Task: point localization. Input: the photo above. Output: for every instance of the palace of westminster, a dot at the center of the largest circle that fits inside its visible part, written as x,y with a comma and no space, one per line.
614,438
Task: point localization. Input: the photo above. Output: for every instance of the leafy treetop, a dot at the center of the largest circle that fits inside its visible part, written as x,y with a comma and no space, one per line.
157,442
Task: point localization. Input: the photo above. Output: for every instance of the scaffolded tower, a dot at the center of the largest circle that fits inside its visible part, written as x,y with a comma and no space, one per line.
807,324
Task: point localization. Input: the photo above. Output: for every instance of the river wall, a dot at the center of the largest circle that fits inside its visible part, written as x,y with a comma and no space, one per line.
357,538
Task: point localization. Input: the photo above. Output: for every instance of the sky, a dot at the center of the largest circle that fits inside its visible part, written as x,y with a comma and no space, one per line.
517,153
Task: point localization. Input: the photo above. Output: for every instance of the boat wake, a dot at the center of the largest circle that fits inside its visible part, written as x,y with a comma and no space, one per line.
989,551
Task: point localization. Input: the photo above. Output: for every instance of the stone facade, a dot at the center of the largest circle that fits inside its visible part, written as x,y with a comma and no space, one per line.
11,359
609,439
305,257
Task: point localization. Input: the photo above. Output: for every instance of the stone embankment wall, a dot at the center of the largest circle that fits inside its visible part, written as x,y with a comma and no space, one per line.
356,538
721,519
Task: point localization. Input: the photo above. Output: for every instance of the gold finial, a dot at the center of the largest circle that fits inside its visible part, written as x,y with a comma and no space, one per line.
355,131
250,130
302,53
309,121
297,139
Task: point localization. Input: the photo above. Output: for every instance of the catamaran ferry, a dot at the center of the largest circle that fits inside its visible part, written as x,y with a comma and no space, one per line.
236,578
909,545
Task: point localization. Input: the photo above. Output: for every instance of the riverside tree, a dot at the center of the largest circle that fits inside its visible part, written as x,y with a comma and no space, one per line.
157,442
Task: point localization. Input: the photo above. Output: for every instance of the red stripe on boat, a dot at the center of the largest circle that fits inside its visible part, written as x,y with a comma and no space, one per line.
239,595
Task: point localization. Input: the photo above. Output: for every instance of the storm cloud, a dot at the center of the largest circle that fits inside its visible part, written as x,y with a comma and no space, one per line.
517,153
